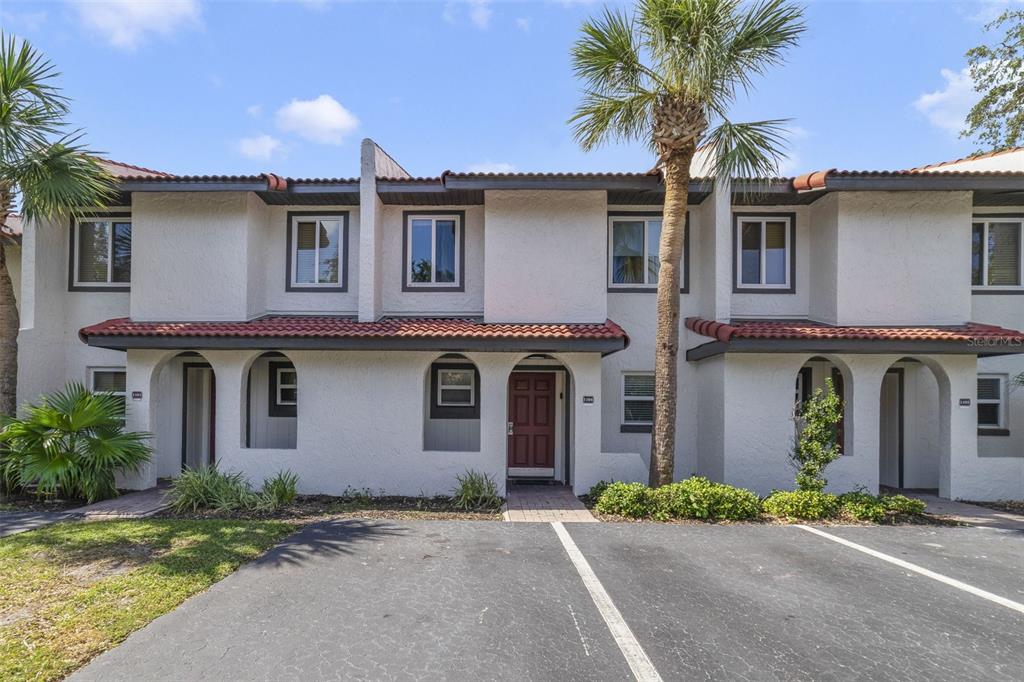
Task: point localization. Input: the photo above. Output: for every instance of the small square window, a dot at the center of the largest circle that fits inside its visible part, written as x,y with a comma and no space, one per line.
112,380
764,253
991,401
284,389
456,387
638,400
102,250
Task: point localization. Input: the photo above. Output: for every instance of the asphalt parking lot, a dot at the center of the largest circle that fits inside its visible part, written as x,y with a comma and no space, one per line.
482,601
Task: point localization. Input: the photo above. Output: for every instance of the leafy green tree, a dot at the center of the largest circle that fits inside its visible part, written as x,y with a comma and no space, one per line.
817,443
72,443
667,75
997,119
43,164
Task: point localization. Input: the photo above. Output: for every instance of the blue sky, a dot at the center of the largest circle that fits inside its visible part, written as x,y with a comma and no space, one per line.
193,86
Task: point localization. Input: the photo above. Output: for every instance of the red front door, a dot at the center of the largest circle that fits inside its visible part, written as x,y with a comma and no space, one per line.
531,417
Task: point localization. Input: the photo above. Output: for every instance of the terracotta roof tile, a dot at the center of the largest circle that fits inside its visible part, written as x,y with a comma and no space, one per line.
808,330
986,155
295,326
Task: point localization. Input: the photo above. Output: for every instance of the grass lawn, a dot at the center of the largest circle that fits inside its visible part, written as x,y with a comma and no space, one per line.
73,590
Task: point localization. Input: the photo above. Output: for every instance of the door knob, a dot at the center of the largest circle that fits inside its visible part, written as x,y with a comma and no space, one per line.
510,428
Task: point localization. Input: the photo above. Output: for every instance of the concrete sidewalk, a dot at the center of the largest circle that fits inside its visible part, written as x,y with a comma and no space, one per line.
971,514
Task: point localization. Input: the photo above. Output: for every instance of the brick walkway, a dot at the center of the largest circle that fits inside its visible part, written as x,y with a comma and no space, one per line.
544,503
137,505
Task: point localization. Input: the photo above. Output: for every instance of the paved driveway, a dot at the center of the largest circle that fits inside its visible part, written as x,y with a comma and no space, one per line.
471,601
19,522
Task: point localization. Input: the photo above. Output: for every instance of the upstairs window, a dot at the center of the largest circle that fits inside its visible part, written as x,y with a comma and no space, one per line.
101,251
991,412
317,252
764,253
637,401
996,253
433,252
633,248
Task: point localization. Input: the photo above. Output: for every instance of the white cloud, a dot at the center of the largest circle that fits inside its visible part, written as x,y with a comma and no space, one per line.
260,147
790,164
321,120
126,24
29,21
523,24
479,12
254,110
492,167
947,108
985,11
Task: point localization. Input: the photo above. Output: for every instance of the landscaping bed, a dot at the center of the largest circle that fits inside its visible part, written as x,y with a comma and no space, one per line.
309,508
70,591
27,502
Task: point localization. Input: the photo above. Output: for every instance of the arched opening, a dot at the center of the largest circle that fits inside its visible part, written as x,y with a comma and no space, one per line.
539,420
910,440
451,405
271,403
813,376
184,423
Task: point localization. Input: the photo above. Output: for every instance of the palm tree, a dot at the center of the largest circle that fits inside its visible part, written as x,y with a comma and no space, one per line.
43,165
667,76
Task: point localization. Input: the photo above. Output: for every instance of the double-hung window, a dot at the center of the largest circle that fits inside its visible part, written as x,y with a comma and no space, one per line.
764,252
317,252
433,252
996,252
991,401
102,253
637,401
284,389
633,251
456,387
112,380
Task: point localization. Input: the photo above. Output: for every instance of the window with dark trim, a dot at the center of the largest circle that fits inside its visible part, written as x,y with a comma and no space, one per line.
996,254
633,261
454,390
637,402
433,251
765,258
991,401
101,253
317,245
284,389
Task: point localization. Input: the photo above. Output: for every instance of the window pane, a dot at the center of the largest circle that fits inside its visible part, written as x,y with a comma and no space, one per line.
977,236
775,253
305,253
1004,254
289,396
750,245
628,252
121,269
92,252
419,250
456,396
988,414
653,242
988,389
329,231
456,377
108,380
639,385
639,411
286,378
444,251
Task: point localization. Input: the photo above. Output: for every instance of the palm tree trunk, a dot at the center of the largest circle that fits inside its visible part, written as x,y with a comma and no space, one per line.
676,172
9,322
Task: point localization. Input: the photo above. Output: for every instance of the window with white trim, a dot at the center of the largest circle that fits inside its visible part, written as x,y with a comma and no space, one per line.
287,386
633,251
456,387
996,252
284,389
764,252
112,380
432,251
102,252
991,401
638,399
317,251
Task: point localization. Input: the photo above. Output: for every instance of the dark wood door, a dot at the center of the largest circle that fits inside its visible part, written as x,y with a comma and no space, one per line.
531,416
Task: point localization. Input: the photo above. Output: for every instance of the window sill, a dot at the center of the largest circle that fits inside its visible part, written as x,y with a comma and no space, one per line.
312,289
100,287
640,290
636,428
993,432
432,288
992,290
763,290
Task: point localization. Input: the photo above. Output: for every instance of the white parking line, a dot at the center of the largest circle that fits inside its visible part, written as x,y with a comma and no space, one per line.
636,657
952,582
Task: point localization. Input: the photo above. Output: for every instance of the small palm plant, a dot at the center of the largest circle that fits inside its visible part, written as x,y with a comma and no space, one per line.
667,76
72,443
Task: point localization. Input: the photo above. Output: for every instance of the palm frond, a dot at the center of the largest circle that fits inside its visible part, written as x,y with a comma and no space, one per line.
602,118
748,150
31,104
62,179
760,40
608,57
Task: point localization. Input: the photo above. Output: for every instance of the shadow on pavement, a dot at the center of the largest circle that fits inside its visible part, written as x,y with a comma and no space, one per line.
329,538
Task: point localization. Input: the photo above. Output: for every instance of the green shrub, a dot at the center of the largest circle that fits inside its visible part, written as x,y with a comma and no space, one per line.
898,504
816,445
72,443
809,505
208,488
475,491
862,506
598,489
280,490
632,500
699,498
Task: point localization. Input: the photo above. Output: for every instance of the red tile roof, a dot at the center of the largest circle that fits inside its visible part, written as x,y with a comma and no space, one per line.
819,179
808,330
295,326
975,157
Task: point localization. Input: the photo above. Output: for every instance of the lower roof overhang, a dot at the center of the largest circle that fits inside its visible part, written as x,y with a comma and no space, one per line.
853,346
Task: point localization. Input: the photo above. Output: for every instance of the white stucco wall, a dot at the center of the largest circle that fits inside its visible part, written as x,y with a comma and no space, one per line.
823,259
904,258
398,302
544,259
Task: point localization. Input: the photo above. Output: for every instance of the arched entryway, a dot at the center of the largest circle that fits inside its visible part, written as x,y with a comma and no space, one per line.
184,388
910,429
814,376
451,405
539,420
271,406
